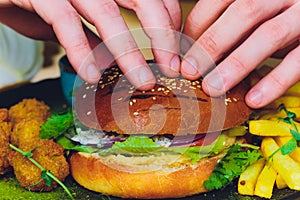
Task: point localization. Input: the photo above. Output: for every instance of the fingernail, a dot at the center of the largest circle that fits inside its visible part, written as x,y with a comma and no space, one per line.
191,68
215,82
145,75
255,97
93,73
175,64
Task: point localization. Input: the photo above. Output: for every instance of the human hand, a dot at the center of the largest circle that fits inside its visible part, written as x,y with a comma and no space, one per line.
61,20
240,35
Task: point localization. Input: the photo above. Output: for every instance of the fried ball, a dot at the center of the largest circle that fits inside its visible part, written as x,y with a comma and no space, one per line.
5,128
29,109
49,155
5,150
3,114
24,131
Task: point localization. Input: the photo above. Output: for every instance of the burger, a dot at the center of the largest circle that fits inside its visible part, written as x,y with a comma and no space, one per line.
161,143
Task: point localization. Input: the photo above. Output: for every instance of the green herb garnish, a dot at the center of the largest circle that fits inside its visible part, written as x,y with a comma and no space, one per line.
292,144
57,125
46,175
236,160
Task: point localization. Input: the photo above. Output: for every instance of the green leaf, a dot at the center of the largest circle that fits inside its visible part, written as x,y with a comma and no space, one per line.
288,147
47,178
69,145
295,134
28,154
197,152
136,144
56,125
231,166
290,114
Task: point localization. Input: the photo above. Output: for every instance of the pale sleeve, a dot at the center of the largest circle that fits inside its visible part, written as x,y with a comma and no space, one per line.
20,57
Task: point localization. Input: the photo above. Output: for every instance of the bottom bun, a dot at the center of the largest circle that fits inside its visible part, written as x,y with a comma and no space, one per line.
144,178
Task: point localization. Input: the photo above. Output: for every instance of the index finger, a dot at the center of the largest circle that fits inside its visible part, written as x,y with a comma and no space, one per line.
106,16
67,26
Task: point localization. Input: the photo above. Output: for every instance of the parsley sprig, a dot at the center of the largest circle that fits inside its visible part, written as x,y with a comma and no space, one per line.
236,160
46,175
291,145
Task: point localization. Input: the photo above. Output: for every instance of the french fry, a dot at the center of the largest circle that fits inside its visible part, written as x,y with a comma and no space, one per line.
288,101
248,178
283,140
280,183
265,182
286,167
294,90
271,128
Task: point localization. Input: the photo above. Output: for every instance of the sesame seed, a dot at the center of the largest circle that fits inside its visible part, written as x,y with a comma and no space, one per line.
136,113
153,98
130,103
134,100
89,113
84,96
228,100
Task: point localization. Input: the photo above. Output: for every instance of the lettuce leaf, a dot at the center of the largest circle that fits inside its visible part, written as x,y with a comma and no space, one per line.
136,144
69,145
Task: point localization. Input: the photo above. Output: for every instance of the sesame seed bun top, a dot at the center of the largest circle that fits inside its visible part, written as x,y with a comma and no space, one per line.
174,106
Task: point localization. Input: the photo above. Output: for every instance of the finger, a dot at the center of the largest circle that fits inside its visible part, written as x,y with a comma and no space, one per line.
67,26
272,86
105,15
272,35
102,55
203,15
174,10
159,27
225,33
281,53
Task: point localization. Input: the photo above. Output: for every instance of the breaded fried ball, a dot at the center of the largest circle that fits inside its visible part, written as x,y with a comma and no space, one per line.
3,114
29,109
49,155
5,150
24,131
4,141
